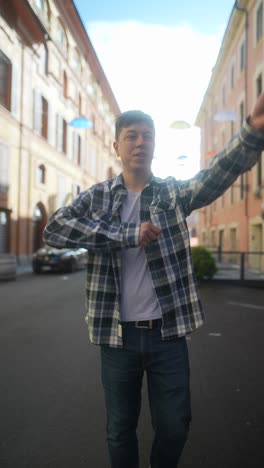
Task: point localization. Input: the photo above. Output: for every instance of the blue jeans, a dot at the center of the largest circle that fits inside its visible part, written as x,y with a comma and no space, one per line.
167,368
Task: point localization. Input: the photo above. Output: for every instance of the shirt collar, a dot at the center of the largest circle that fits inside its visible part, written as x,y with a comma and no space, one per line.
119,182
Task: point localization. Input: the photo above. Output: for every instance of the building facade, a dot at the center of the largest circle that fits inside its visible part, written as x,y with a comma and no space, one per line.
234,222
49,75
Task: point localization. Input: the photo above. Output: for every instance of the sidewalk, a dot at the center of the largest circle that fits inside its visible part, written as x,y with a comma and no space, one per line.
23,269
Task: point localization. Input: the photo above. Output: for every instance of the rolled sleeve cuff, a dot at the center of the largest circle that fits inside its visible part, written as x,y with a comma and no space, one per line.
130,234
252,137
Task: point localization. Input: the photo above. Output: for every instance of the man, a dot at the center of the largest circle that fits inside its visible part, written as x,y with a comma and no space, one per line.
142,298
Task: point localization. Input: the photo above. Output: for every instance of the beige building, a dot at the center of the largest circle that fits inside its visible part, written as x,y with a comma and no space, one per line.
49,75
235,221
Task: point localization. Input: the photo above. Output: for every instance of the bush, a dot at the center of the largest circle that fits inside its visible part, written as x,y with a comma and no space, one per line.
203,263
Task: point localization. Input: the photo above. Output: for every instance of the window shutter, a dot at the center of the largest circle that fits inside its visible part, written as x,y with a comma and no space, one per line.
14,91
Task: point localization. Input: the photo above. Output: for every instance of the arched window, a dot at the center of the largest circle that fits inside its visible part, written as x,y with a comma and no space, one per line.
41,174
61,37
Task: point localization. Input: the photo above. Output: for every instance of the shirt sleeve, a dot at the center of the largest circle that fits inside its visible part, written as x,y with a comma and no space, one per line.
236,158
74,226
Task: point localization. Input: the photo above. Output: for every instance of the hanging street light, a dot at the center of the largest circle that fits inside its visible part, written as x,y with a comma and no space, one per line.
81,122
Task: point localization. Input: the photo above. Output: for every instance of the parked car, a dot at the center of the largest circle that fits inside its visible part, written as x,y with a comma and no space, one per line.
61,260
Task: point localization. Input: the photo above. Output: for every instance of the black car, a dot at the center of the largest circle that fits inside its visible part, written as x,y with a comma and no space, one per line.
61,260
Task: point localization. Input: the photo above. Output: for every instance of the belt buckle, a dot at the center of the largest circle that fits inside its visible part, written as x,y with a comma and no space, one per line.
147,327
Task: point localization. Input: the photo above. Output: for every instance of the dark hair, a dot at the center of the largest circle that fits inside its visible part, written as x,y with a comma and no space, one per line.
131,117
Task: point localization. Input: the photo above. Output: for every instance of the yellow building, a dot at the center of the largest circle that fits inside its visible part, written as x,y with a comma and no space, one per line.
49,75
234,222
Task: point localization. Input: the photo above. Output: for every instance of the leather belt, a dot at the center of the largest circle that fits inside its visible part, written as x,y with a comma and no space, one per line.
148,324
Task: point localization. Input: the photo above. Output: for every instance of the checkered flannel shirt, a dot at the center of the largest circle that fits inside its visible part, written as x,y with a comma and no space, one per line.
93,221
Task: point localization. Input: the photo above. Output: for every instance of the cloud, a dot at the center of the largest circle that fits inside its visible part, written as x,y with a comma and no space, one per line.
163,70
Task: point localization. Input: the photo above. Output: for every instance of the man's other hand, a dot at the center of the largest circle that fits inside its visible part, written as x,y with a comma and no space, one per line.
148,232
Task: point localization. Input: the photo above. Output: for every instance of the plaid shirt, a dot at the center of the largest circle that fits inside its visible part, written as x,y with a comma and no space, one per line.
93,221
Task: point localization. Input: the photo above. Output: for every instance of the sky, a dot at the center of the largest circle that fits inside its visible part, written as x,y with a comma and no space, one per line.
158,57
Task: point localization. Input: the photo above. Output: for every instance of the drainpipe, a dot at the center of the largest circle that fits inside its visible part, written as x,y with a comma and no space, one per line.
245,12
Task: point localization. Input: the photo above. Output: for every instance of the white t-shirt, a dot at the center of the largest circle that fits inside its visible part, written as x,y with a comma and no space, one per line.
138,297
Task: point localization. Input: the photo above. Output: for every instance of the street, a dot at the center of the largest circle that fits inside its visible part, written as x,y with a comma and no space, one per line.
52,408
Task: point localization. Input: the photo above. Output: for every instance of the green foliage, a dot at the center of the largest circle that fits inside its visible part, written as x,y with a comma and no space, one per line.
203,262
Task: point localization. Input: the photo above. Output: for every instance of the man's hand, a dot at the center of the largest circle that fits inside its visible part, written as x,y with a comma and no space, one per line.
148,232
257,117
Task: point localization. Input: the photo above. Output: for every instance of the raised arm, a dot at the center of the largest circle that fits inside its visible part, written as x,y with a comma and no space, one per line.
236,158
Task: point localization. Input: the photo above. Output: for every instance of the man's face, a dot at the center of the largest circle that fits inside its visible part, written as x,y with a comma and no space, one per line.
135,146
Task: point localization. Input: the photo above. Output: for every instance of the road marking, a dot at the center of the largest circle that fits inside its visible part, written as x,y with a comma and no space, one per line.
247,306
215,334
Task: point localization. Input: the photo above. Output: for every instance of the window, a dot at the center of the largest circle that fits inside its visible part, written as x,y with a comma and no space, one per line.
80,104
223,138
43,62
259,172
110,173
259,85
232,126
65,85
259,23
76,189
224,96
40,115
232,77
43,6
5,81
92,162
94,124
4,230
61,140
241,112
77,148
242,56
41,174
76,62
4,166
242,186
62,191
232,194
62,38
40,4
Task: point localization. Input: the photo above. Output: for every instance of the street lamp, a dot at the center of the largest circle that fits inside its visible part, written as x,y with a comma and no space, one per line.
180,125
81,122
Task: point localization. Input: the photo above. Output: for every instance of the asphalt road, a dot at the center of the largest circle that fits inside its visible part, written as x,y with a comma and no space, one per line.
51,401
